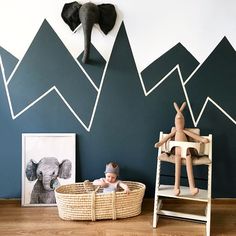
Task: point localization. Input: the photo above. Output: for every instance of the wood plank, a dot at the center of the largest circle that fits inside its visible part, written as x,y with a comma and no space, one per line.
38,221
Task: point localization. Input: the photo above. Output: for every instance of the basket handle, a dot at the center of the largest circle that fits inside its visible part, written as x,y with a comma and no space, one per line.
93,206
97,188
89,187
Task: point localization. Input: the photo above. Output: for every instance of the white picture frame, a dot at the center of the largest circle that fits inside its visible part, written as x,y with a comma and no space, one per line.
43,153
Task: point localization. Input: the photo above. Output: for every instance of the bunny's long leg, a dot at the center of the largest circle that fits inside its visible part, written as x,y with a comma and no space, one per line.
177,170
191,181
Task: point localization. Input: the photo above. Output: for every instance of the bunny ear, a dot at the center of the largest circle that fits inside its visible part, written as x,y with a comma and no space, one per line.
182,106
176,106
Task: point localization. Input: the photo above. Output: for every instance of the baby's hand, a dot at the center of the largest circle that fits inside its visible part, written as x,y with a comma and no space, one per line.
104,184
127,190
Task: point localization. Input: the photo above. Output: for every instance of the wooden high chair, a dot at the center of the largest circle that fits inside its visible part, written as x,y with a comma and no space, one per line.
204,157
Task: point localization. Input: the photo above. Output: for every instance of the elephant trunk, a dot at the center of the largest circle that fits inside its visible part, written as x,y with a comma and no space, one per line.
89,15
47,183
87,39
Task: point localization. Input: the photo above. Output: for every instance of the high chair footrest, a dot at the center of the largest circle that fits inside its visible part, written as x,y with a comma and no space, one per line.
182,215
167,191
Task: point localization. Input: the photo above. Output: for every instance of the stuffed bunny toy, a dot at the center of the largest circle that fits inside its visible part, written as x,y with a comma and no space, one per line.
179,133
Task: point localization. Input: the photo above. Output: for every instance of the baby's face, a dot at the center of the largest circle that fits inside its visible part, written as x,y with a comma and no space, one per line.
111,177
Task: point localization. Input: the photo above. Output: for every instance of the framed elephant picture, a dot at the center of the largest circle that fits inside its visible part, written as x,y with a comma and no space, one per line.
48,161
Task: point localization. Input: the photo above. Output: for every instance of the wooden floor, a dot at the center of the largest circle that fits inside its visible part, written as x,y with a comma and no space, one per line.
44,221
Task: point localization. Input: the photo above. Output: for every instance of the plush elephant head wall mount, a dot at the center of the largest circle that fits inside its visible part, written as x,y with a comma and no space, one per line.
46,172
89,14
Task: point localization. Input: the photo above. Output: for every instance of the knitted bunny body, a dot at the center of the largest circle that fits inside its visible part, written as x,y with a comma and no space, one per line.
179,126
180,134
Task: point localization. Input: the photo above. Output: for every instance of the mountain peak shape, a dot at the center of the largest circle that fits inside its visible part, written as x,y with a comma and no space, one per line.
8,60
48,64
215,78
177,55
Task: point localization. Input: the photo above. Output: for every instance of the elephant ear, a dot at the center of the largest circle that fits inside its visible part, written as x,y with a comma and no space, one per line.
30,170
70,14
65,169
107,17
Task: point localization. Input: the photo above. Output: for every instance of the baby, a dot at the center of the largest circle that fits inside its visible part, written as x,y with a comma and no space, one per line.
110,183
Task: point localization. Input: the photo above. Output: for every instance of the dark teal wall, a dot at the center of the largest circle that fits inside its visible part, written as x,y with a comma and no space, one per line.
126,123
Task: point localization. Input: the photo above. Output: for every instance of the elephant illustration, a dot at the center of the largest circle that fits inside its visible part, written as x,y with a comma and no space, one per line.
46,171
89,14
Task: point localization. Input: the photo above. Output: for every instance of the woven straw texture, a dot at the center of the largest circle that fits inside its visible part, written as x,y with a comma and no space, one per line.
77,202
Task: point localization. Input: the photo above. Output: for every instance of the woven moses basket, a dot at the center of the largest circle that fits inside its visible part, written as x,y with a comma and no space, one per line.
80,201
